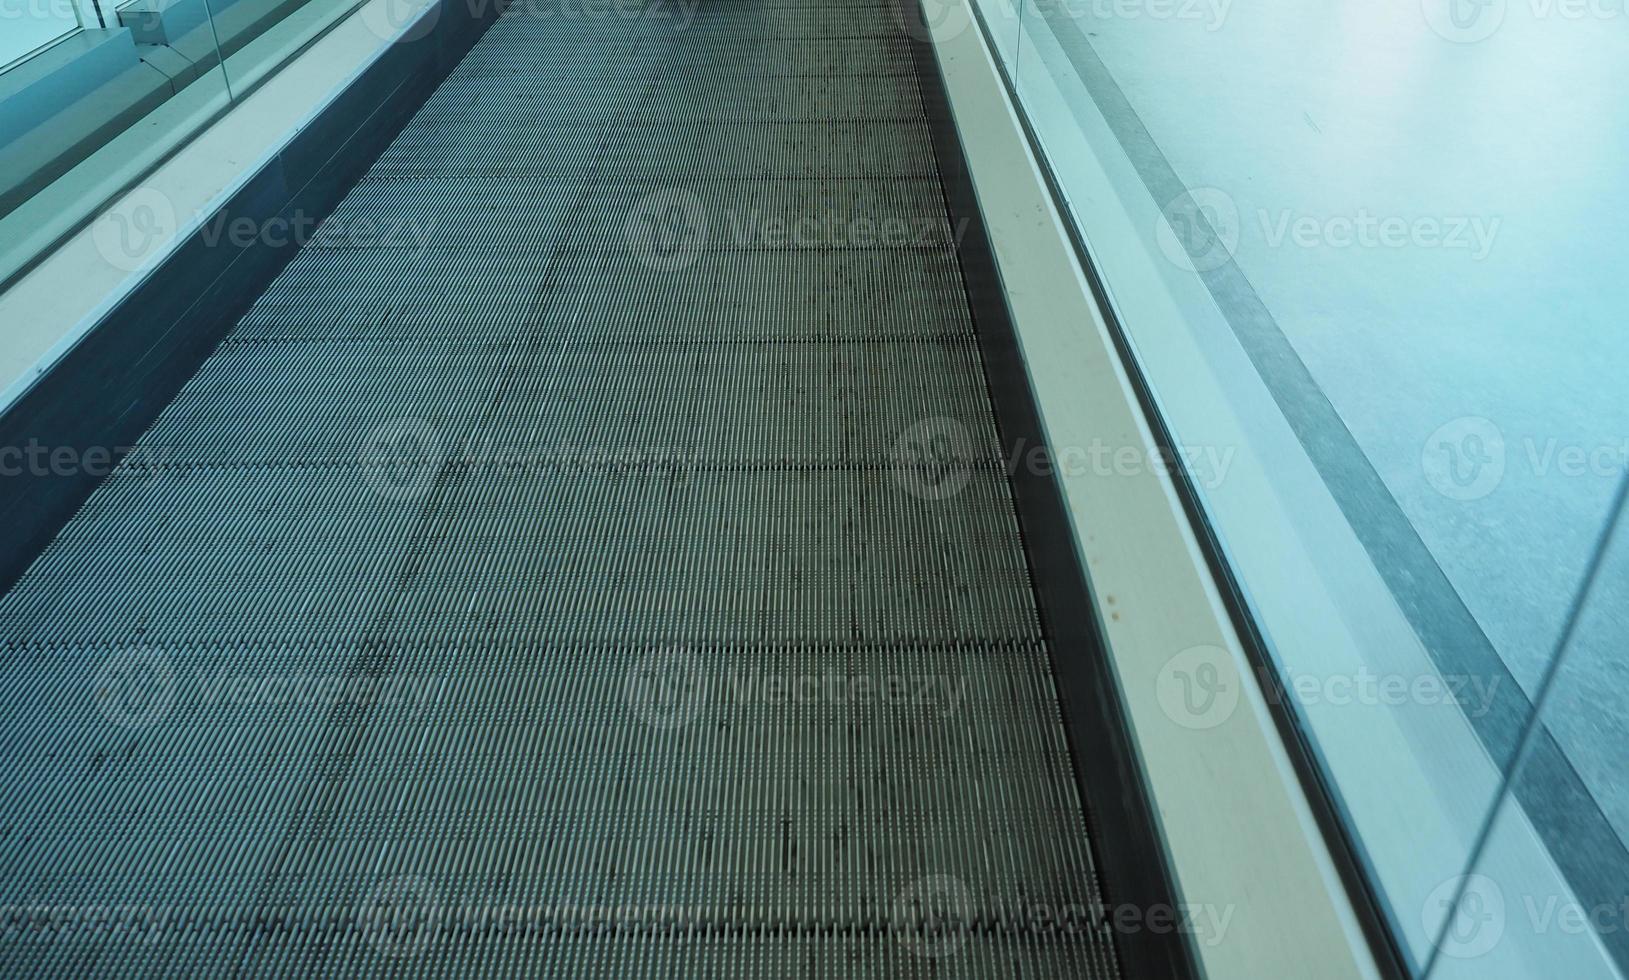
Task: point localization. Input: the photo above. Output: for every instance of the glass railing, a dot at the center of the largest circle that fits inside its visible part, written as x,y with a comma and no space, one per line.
90,114
29,27
96,93
1558,925
1363,257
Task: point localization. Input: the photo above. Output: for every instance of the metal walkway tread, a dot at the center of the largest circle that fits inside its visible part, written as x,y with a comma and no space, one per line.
592,556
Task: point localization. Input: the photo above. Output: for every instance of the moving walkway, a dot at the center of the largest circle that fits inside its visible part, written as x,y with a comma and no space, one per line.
593,553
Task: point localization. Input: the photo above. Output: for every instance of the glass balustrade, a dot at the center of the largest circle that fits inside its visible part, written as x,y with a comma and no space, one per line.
1363,258
94,94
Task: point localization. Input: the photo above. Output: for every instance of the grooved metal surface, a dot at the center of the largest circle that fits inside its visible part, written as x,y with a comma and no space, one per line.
591,556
